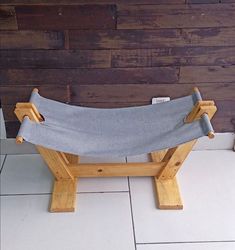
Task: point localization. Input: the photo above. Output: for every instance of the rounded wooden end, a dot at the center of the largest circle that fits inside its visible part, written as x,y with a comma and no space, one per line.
195,89
211,135
35,90
19,139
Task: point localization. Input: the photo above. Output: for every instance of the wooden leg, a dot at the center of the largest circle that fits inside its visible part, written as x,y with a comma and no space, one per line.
64,196
65,184
56,162
174,159
168,195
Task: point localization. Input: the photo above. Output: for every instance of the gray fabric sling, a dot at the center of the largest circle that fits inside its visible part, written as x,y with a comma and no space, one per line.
119,132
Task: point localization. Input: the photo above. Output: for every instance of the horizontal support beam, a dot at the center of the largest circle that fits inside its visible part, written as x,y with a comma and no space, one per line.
115,169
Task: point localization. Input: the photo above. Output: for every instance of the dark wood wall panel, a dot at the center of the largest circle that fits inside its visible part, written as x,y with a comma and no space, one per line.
7,18
11,128
32,39
144,93
117,53
66,17
55,59
135,39
79,2
199,74
173,56
209,1
13,94
90,76
175,16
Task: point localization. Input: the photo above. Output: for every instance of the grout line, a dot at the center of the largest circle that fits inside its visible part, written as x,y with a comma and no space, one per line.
3,163
132,216
101,192
185,242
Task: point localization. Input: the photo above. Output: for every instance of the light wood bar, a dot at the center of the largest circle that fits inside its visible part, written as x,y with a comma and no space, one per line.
115,169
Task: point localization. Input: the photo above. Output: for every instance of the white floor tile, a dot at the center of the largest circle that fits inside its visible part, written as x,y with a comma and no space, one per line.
9,146
25,174
221,141
207,187
102,221
190,246
28,174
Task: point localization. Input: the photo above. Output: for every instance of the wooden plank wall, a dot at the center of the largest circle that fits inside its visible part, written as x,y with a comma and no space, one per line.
117,53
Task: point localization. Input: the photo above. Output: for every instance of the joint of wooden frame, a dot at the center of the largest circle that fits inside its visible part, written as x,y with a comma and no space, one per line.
200,108
28,109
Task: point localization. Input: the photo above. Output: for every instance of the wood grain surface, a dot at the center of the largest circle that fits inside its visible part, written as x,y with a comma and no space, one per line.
117,53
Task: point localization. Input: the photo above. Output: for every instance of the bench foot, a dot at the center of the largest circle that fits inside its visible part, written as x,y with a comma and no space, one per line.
64,196
168,195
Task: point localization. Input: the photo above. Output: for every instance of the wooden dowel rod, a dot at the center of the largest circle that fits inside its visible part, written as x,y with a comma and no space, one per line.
195,89
35,90
19,139
211,134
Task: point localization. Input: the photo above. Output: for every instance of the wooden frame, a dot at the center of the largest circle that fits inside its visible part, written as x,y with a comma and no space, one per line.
66,168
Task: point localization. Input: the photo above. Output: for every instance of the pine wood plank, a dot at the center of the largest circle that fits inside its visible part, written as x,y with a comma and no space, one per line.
142,39
175,16
173,56
115,169
174,159
7,18
50,59
90,76
31,39
158,156
208,74
72,159
200,108
66,17
64,196
168,194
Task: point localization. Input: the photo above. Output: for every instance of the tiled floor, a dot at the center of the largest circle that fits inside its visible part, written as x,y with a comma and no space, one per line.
119,213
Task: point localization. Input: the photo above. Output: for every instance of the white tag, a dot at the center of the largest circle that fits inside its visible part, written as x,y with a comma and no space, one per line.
160,99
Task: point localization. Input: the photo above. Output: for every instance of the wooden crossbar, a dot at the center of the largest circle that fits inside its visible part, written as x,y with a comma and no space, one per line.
116,169
164,166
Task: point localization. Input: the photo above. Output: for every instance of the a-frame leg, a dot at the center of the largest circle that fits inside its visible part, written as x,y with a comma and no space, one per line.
65,185
167,189
63,196
64,191
168,194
